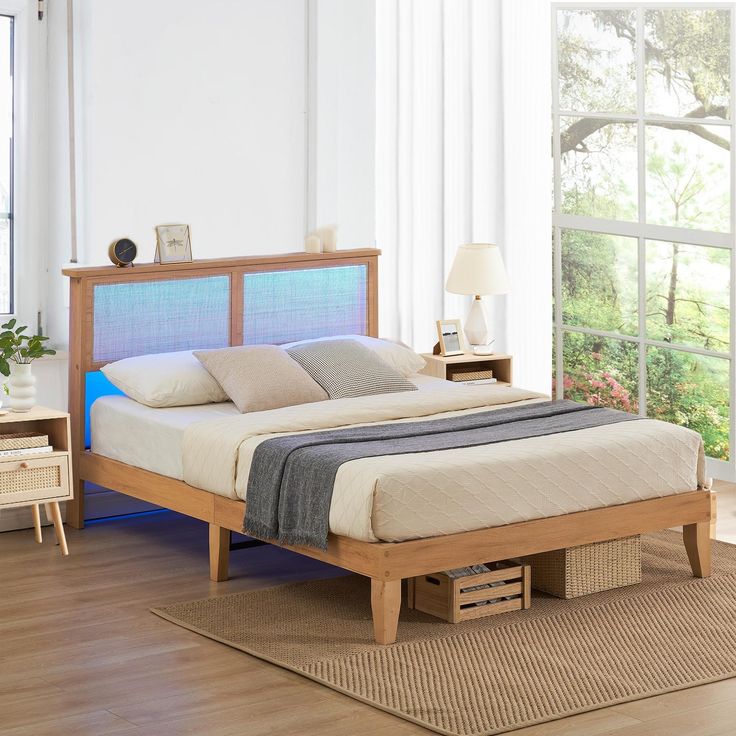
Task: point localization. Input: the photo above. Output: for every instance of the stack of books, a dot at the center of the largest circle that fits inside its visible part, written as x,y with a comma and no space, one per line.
24,443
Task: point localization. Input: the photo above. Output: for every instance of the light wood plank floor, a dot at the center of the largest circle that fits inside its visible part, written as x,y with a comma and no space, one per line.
80,653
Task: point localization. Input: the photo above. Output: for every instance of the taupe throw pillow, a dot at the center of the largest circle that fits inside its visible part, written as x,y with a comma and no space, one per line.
260,377
345,368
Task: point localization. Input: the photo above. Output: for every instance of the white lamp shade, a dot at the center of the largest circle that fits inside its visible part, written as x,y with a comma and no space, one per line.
478,269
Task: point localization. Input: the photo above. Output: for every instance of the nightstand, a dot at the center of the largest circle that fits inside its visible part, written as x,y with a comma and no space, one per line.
448,366
44,478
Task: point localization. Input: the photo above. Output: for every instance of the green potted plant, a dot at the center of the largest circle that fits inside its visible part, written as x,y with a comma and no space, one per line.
17,352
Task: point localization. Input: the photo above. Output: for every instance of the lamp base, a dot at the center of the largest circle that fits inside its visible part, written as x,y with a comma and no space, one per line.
483,349
477,326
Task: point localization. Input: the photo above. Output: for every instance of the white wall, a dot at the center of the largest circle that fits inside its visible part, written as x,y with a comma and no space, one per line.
342,82
196,112
192,112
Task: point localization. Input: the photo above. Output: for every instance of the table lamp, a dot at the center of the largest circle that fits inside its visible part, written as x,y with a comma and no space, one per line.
478,270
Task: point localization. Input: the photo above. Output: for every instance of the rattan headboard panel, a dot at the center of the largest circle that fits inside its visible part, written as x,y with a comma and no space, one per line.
144,317
285,306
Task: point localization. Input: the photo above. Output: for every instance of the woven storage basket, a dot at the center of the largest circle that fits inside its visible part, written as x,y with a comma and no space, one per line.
590,568
471,375
23,440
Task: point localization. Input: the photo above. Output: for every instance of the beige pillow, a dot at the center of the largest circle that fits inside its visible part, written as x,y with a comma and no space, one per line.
260,377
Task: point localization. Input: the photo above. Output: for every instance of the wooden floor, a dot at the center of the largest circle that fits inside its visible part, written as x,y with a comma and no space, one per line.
81,654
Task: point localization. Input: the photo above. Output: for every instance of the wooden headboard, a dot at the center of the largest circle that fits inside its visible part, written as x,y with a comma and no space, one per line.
154,308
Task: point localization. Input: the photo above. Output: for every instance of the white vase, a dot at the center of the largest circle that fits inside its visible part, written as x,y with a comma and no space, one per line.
22,387
477,324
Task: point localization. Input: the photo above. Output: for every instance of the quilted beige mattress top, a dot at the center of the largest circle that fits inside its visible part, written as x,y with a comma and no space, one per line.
411,496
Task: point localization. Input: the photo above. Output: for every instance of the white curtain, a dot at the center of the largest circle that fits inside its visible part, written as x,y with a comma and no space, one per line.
462,155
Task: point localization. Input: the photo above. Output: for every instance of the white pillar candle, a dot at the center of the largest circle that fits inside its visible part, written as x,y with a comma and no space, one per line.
312,244
328,235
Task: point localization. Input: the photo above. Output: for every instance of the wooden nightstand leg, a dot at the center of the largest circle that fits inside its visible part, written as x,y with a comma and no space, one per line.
36,511
54,513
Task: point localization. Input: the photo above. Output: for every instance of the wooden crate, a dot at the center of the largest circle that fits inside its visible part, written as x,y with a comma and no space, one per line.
469,596
590,568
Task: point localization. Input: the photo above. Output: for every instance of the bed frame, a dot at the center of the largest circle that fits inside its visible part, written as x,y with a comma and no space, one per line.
386,564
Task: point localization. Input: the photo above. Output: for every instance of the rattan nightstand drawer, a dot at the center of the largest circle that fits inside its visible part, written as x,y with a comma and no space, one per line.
34,481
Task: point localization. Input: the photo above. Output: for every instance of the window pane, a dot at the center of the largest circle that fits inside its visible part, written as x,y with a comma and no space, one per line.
598,168
597,62
599,281
688,176
690,390
6,142
687,62
688,294
601,371
553,389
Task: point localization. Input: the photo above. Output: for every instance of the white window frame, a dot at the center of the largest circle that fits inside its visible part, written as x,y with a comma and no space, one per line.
641,230
29,157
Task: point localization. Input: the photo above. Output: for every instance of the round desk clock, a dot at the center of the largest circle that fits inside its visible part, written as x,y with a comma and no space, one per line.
122,252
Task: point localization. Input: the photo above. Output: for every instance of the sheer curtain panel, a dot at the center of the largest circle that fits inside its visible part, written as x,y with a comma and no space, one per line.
450,89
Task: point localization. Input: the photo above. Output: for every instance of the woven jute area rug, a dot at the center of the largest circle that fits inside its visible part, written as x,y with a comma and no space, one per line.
504,672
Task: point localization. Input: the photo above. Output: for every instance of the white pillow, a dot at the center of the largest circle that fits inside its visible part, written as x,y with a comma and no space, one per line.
400,357
165,379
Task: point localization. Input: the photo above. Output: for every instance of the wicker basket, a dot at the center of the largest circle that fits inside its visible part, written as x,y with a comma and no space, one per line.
591,568
23,440
471,375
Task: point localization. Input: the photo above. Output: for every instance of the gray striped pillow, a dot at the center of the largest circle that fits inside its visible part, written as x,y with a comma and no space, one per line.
345,368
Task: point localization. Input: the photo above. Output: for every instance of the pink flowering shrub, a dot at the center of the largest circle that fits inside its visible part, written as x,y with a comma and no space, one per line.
599,389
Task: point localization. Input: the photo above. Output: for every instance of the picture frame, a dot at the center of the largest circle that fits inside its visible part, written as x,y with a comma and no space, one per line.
450,335
173,244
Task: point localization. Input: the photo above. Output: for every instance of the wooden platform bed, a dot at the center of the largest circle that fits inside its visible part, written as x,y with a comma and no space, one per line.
92,316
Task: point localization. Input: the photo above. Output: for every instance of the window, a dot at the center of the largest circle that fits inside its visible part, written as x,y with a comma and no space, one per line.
6,164
643,213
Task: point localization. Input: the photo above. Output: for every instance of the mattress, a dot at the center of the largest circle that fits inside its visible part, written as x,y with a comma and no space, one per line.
417,495
148,438
412,496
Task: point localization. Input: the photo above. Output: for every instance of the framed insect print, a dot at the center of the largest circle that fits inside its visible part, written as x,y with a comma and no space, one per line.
173,244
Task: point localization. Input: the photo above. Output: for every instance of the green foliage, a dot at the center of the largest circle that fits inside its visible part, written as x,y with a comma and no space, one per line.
692,391
20,348
599,281
685,176
689,50
588,79
700,301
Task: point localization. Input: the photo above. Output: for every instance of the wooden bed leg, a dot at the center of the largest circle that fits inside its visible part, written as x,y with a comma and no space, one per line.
385,604
219,553
697,544
75,507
